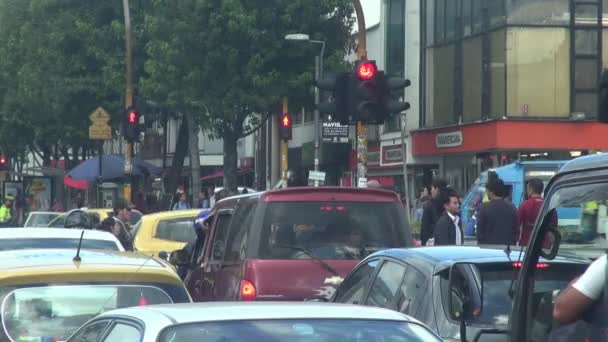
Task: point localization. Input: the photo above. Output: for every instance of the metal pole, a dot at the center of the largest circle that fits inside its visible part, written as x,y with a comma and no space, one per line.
405,183
284,150
361,127
129,95
317,122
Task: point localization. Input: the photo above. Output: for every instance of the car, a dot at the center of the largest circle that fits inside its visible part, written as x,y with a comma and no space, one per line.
47,294
269,321
97,215
418,282
35,238
40,218
290,244
164,231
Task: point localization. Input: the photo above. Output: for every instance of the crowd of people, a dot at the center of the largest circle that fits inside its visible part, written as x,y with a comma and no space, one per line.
498,221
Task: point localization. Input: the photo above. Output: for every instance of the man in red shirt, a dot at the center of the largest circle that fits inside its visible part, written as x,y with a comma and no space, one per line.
529,209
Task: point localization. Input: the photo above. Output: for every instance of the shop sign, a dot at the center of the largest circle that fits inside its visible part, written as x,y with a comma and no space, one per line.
392,154
373,157
334,132
451,139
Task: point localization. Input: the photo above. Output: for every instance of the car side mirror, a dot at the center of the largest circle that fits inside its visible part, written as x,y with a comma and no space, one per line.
465,298
164,255
179,257
551,243
481,332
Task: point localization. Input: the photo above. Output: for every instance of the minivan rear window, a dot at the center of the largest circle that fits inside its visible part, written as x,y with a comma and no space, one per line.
330,231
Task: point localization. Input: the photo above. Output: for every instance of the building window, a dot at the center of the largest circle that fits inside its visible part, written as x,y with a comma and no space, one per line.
395,50
472,81
498,41
466,17
538,82
430,21
443,85
538,12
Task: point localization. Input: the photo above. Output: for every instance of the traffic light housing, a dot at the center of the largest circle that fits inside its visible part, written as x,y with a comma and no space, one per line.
3,162
131,127
365,97
392,89
336,105
285,126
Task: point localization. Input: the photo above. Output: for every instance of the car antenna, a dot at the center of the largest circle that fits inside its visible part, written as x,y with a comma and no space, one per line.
77,257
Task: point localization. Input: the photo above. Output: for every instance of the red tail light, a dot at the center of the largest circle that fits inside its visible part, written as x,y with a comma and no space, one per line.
518,264
248,291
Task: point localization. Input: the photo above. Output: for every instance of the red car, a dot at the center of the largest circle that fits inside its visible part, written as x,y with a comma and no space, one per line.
291,244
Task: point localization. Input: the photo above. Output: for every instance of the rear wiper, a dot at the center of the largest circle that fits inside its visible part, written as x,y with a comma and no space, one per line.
309,254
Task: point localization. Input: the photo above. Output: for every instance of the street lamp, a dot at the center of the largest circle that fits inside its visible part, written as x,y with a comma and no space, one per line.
318,74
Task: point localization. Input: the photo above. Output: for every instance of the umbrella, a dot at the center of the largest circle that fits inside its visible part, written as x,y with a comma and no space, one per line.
113,167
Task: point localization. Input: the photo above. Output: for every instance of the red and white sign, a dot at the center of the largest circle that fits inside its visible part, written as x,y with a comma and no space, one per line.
391,154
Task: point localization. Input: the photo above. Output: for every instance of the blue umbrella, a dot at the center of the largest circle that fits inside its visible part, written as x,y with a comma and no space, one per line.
113,167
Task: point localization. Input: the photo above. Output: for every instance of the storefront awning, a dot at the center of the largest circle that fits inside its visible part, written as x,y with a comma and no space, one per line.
510,135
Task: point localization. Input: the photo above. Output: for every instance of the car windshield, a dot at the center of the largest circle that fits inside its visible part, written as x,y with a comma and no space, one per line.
40,220
57,311
180,229
309,330
497,278
35,243
582,218
349,230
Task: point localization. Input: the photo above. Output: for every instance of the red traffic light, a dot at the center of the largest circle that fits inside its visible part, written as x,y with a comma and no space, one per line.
366,70
132,117
3,160
286,120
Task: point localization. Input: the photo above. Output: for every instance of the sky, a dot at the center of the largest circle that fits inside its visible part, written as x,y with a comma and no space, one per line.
371,11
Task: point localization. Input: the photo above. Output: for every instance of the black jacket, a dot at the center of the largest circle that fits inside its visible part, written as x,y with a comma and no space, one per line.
430,214
497,223
445,234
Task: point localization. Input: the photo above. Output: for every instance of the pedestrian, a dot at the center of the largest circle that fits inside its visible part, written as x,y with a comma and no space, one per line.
423,198
140,203
447,229
432,211
121,211
203,200
529,209
182,204
497,219
6,211
211,194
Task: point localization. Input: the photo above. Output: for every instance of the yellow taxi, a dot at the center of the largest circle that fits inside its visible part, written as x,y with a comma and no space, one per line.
165,231
46,294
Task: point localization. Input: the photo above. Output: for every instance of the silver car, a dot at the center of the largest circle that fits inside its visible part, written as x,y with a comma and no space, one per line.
253,321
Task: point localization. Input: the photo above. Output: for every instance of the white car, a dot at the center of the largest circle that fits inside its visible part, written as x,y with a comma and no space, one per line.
253,321
34,238
41,218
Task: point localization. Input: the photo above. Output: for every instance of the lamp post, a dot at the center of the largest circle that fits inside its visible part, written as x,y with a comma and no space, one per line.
318,74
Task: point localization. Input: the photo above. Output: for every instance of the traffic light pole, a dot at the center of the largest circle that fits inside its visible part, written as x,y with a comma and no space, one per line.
361,126
284,150
317,122
128,97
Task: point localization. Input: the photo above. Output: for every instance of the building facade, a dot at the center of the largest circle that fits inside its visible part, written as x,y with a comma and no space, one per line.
503,80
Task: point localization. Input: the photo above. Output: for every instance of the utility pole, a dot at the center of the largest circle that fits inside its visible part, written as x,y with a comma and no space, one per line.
317,116
406,191
128,97
361,126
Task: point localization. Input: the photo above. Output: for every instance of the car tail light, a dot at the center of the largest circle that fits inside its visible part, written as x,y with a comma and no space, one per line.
518,264
248,291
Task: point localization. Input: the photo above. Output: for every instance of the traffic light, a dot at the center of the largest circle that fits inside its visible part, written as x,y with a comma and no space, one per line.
336,105
131,127
285,126
391,89
365,98
3,162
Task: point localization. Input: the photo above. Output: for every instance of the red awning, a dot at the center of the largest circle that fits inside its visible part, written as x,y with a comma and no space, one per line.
220,174
510,135
76,184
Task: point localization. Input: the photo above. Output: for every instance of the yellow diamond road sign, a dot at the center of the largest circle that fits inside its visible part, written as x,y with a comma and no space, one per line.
100,129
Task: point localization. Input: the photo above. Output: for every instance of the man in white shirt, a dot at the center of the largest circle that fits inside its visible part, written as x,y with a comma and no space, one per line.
447,229
581,294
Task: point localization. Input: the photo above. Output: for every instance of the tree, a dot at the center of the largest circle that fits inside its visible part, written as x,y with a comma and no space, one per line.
230,56
60,59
